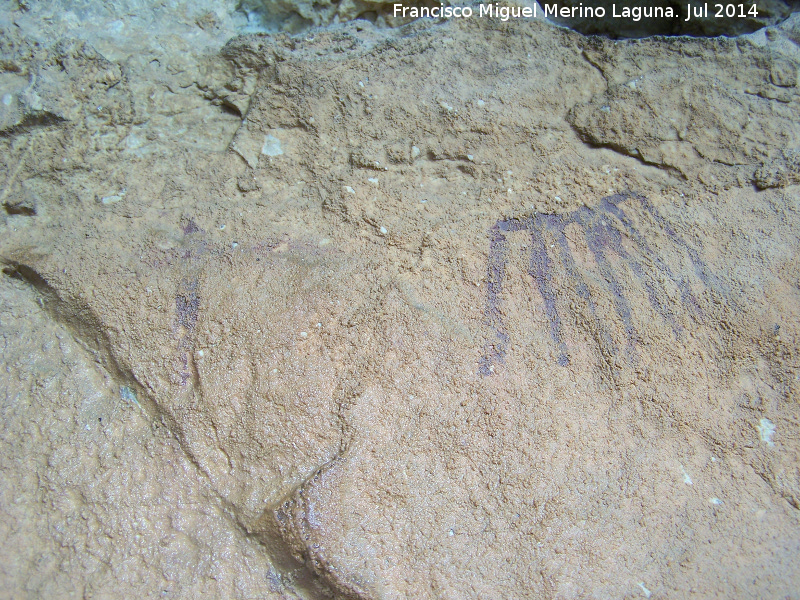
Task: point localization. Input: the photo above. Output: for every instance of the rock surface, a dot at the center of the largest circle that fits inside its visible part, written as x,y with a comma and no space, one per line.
420,326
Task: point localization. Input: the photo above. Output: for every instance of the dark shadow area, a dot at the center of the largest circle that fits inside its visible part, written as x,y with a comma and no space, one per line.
629,19
20,209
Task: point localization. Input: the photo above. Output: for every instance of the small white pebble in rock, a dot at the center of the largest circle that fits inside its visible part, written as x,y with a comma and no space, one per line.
557,199
686,479
349,190
414,152
715,501
384,231
470,157
303,334
361,84
373,180
766,429
271,146
200,353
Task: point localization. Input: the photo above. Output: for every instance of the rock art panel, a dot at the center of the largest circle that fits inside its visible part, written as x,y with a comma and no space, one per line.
602,238
316,326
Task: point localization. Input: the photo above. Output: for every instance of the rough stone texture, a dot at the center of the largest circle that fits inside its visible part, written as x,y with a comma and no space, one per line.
95,495
780,172
662,119
414,336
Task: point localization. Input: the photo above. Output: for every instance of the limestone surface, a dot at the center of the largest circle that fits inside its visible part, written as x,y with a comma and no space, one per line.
469,309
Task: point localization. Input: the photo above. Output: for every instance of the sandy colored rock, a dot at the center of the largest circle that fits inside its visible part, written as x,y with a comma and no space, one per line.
782,171
438,345
94,494
660,118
